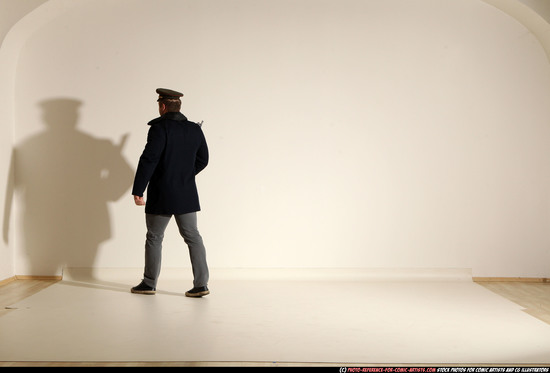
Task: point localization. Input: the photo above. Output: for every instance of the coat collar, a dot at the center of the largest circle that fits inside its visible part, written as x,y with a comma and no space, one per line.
173,115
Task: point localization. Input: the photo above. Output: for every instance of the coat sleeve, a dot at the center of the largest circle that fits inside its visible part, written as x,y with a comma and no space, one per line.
156,141
201,159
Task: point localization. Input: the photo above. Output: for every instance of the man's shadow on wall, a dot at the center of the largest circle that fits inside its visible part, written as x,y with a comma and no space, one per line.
65,179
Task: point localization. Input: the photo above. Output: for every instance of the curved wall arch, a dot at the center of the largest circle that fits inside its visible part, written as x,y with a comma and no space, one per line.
533,14
15,31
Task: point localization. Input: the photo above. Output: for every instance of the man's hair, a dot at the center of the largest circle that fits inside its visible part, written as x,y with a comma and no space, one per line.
171,104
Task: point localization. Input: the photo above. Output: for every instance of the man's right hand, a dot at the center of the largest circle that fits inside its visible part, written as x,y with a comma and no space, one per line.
139,201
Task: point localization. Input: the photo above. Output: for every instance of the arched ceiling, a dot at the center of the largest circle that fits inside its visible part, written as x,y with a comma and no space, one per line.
11,11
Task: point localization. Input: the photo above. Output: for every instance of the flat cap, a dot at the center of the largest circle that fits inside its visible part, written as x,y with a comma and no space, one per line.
168,94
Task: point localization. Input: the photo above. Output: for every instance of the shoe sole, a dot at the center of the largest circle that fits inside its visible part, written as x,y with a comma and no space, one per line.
146,292
197,295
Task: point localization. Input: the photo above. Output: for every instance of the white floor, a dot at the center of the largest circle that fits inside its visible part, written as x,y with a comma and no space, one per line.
315,316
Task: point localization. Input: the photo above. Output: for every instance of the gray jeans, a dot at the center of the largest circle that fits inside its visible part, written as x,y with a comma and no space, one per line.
187,224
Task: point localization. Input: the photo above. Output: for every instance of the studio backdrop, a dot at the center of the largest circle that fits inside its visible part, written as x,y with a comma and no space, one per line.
342,134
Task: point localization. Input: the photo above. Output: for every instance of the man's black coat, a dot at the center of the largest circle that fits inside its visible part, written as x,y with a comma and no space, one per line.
175,152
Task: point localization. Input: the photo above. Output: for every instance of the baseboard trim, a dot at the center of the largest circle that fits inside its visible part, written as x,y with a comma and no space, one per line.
7,280
29,277
474,279
43,278
512,279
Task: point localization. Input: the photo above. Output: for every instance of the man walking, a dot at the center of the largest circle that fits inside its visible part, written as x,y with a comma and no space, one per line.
176,151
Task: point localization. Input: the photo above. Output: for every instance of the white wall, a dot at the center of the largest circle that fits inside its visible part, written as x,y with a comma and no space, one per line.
370,134
11,11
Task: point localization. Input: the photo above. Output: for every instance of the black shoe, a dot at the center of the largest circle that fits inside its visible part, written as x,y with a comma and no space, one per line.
197,292
142,288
